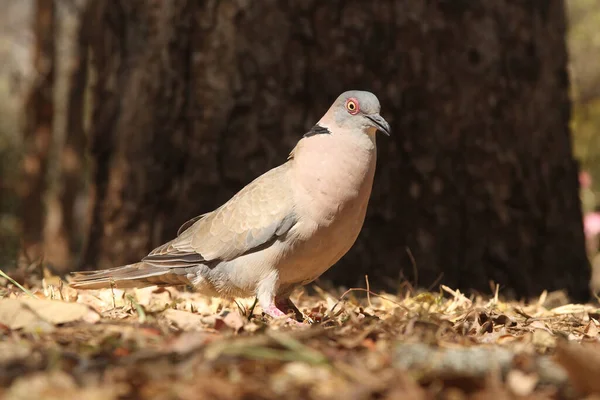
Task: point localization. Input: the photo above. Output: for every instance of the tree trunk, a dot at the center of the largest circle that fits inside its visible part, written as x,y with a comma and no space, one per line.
65,240
39,111
477,184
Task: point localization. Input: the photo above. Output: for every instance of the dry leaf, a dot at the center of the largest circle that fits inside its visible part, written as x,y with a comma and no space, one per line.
102,300
144,296
582,363
352,357
187,321
188,342
520,383
27,313
504,319
234,321
539,325
13,352
591,329
59,386
543,340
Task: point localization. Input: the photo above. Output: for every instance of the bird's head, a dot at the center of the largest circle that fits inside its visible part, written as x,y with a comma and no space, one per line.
357,110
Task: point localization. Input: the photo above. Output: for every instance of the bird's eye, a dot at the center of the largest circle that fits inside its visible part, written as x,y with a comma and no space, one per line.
352,106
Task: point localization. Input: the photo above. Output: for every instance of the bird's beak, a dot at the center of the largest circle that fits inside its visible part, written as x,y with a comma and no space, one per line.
380,123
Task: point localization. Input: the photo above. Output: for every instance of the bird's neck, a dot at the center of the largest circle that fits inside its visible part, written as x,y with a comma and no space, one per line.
334,169
364,136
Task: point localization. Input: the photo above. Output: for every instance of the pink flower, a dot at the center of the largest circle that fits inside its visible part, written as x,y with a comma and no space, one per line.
591,224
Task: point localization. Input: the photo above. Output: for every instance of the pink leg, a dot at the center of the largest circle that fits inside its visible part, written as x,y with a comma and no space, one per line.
275,312
265,291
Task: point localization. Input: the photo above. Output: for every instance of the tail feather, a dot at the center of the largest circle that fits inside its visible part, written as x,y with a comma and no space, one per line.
136,275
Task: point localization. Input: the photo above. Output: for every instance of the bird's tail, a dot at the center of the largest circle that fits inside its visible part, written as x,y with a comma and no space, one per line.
136,275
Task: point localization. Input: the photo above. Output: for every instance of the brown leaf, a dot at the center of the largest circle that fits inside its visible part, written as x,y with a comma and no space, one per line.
187,321
505,320
582,363
27,313
234,321
188,342
349,341
543,340
102,300
520,383
13,352
487,327
591,330
492,389
58,385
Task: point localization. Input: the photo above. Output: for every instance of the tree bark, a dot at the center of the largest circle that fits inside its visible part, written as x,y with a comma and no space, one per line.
477,184
65,241
39,112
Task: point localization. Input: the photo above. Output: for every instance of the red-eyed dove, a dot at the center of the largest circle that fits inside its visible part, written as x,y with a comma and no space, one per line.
282,230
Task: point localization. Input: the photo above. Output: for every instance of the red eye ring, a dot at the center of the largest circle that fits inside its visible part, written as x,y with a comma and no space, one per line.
352,106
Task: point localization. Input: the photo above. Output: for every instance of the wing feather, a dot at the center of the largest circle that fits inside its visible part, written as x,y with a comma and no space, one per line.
256,215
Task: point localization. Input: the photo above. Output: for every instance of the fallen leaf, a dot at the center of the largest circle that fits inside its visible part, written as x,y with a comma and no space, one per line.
58,385
232,320
505,320
492,389
543,340
591,330
349,341
573,309
144,295
121,352
539,325
188,321
188,342
92,301
112,298
27,313
520,383
13,352
368,343
582,363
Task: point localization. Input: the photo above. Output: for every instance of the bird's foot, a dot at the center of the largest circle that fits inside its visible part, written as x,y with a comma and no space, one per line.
276,313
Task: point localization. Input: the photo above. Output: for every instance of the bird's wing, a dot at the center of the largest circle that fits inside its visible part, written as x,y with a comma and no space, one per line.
254,217
189,223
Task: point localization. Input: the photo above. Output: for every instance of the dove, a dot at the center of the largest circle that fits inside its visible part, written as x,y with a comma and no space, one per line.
284,229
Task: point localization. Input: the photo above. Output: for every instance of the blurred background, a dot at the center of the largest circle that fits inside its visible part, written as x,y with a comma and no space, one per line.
120,120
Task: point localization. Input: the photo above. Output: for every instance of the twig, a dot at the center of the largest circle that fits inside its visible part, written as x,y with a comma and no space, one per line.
457,295
436,282
112,291
368,291
496,292
364,290
251,311
544,295
414,265
60,289
241,308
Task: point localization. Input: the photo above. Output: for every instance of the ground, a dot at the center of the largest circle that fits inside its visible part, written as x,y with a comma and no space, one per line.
171,343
